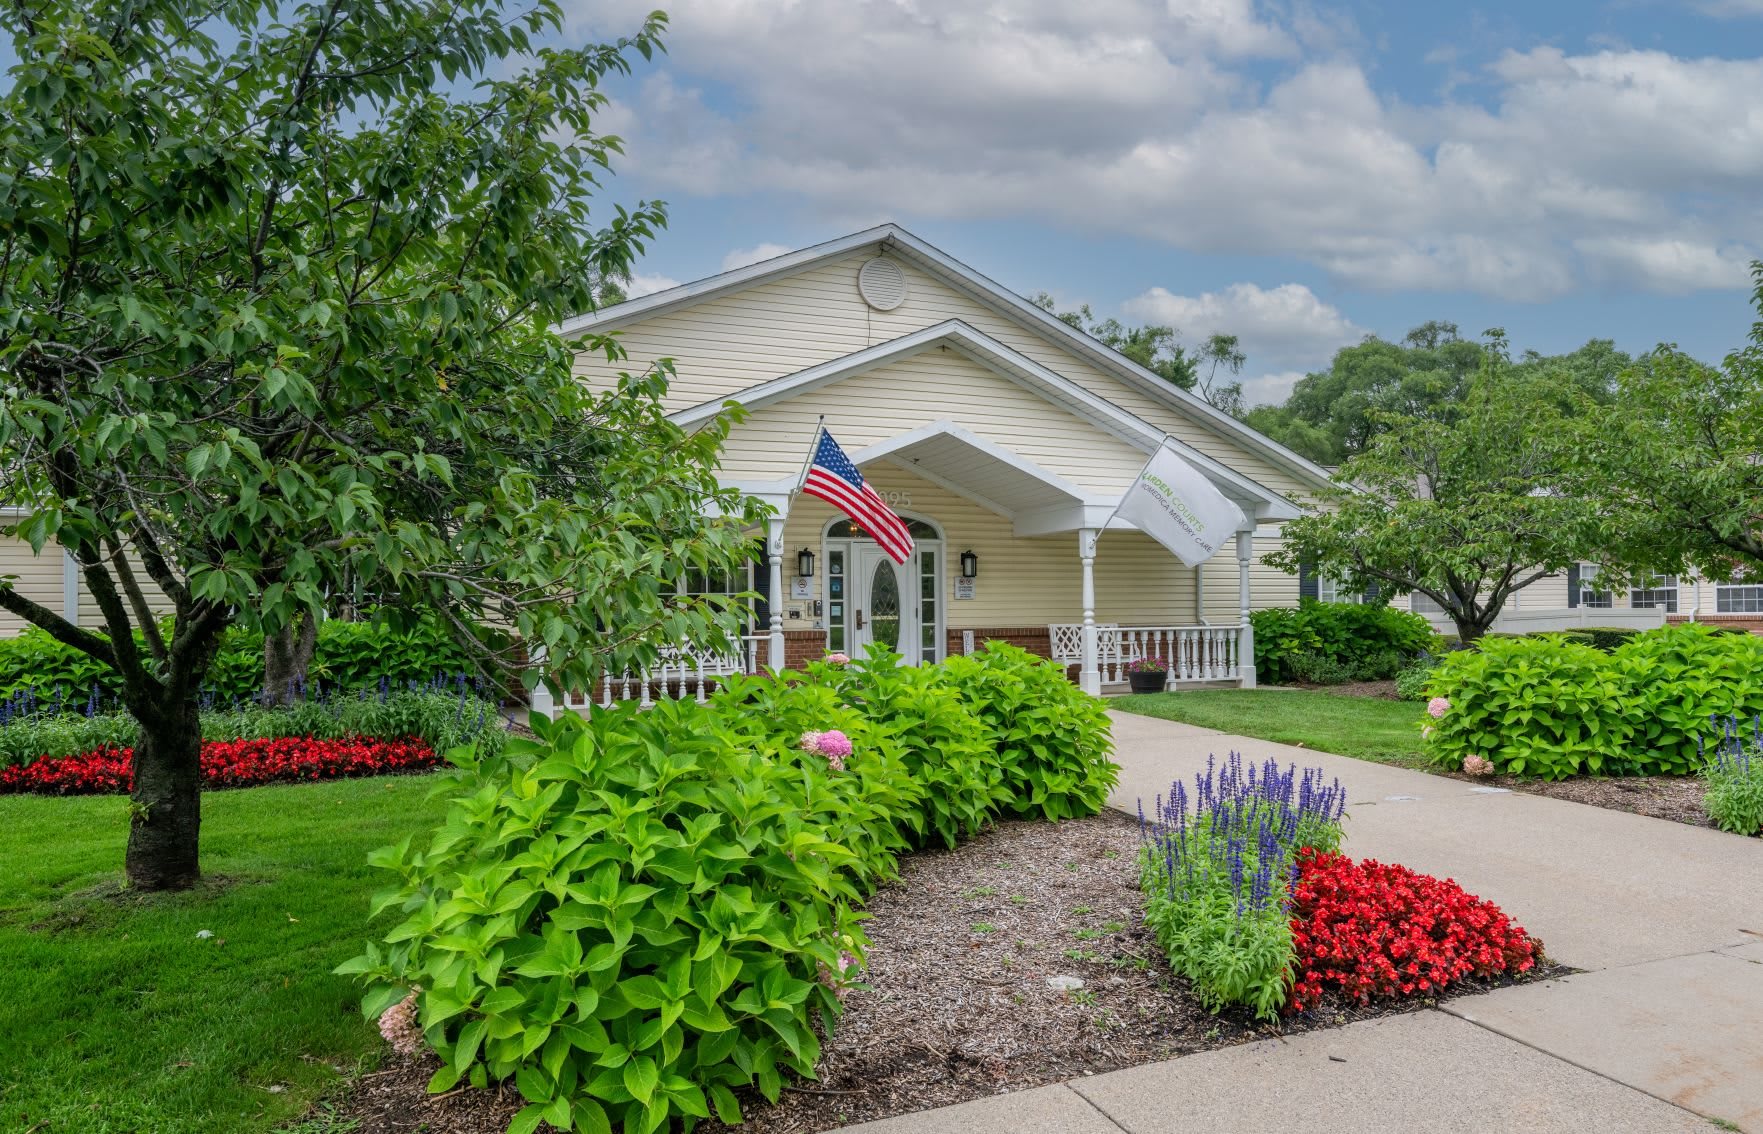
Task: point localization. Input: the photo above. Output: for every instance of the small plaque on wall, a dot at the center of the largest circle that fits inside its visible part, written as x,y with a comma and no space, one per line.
801,588
964,588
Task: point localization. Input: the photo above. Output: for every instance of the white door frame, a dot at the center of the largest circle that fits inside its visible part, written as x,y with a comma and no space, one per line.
912,607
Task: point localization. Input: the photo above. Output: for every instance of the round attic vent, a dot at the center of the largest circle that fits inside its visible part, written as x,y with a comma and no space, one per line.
881,283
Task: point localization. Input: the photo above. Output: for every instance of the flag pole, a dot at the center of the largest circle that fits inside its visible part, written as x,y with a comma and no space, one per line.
808,461
1161,445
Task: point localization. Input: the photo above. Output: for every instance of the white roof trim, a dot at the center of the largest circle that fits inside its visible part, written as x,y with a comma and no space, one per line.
980,287
1004,361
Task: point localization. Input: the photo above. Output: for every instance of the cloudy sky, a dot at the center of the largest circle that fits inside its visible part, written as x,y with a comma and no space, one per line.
1298,173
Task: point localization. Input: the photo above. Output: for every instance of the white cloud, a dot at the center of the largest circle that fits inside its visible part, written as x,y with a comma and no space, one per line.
741,257
1668,265
1270,389
642,283
1282,326
1139,117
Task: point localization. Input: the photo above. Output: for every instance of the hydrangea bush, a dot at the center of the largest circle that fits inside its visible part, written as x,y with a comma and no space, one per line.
638,913
1549,707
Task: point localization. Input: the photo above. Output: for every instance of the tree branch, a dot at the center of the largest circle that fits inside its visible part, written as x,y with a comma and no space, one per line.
56,626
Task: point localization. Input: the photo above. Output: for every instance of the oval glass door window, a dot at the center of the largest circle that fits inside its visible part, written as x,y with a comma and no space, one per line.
884,605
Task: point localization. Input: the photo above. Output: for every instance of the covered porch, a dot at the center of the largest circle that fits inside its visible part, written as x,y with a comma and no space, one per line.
1005,550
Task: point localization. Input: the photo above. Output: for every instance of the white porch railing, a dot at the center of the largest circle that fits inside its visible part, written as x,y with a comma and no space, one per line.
1193,653
679,673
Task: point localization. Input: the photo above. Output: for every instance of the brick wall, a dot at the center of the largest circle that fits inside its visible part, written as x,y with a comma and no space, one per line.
1751,622
800,646
1034,639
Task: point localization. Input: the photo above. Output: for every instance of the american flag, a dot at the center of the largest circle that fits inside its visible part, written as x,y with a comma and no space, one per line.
833,478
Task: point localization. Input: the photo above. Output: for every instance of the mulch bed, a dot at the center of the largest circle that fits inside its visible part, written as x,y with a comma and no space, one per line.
957,1004
1677,798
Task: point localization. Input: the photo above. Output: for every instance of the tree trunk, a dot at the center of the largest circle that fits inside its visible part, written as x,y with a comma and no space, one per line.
165,817
287,655
1469,632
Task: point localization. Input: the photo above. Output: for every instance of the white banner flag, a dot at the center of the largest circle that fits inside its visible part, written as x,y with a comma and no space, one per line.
1179,508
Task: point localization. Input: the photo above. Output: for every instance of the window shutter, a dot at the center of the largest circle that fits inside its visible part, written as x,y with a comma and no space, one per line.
1306,580
762,584
1573,585
1371,592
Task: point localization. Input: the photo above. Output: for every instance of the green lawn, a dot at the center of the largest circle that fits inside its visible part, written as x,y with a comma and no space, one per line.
1370,729
116,1017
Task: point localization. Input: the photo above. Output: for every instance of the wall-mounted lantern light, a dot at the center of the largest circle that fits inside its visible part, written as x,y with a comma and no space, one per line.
969,565
805,563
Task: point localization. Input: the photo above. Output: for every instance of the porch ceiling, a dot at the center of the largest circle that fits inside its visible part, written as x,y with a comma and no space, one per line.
991,476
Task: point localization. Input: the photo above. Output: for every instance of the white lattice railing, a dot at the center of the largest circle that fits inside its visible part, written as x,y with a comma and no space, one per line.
1193,653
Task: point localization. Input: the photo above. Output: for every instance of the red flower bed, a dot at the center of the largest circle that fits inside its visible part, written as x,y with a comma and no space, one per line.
1370,929
228,763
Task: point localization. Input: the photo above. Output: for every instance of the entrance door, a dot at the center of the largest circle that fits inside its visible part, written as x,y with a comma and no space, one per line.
881,604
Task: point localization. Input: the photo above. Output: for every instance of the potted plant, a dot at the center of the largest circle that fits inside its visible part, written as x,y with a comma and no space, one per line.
1148,674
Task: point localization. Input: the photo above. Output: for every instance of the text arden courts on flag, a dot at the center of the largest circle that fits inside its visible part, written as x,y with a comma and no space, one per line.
1179,508
834,478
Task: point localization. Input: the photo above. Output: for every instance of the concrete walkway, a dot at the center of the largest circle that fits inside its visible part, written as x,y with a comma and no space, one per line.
1662,1032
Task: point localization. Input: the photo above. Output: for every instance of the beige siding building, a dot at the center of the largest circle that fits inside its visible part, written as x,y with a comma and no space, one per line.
1006,437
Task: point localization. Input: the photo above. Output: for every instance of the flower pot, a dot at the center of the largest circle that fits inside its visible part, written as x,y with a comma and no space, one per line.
1148,682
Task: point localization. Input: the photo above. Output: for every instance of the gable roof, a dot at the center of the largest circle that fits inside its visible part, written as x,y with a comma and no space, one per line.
992,294
1016,367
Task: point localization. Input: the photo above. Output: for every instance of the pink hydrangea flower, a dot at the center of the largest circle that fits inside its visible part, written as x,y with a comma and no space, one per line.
838,659
1438,707
399,1025
832,744
1426,731
1478,765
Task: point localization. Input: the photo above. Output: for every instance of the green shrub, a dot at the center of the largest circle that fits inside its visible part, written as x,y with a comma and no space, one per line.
944,746
776,712
630,918
1412,680
1678,677
1052,738
445,720
1370,641
1607,638
1544,706
349,655
1317,668
53,736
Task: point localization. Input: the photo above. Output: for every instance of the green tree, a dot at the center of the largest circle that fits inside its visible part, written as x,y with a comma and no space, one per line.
1156,348
1465,509
1675,462
276,290
1334,414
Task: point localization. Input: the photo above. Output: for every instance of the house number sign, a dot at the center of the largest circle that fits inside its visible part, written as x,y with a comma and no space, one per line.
894,499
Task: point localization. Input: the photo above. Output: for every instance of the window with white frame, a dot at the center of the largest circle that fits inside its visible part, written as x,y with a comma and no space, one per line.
1741,596
1654,591
1589,594
1423,604
1327,590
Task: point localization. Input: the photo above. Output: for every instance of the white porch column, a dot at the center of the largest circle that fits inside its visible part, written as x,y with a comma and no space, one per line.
540,702
774,550
1246,635
1089,675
